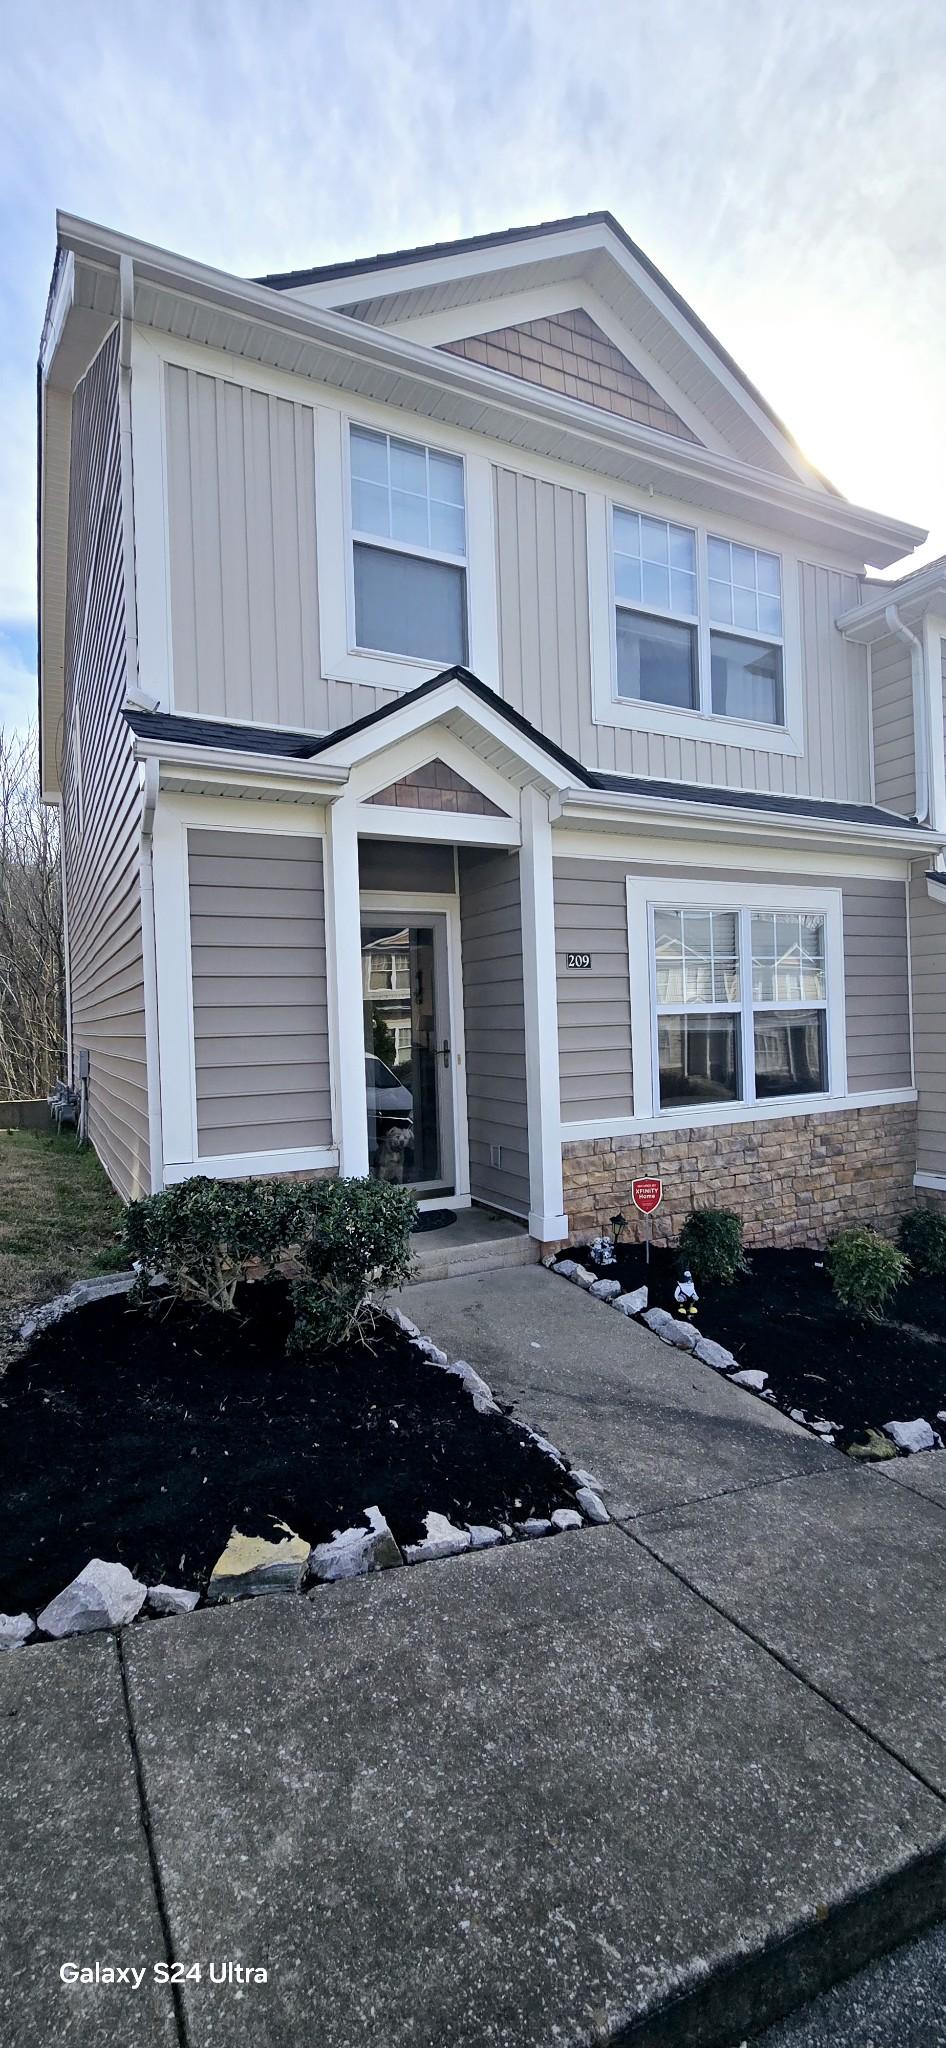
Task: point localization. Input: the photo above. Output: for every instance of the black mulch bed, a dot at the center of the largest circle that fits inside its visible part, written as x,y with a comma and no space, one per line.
783,1317
145,1435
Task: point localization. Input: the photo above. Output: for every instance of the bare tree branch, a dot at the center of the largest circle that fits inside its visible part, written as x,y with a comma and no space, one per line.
31,952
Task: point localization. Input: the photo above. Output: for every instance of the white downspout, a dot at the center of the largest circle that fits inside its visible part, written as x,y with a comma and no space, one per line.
921,720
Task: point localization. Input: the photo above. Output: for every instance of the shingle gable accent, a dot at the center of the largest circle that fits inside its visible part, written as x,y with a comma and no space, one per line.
435,787
569,353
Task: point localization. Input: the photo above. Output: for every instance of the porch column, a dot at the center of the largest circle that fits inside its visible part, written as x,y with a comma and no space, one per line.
343,972
546,1220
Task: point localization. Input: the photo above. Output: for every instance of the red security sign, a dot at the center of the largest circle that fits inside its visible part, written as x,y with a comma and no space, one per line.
647,1195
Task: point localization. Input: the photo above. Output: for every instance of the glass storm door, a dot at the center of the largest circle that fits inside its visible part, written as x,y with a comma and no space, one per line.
407,1049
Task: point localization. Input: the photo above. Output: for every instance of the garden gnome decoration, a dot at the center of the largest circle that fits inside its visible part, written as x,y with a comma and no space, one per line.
685,1295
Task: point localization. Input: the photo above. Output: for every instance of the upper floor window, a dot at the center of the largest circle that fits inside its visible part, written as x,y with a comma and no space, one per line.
698,623
408,518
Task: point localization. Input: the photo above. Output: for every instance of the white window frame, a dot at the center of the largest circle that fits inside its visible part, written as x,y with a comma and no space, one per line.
342,659
702,723
415,550
645,894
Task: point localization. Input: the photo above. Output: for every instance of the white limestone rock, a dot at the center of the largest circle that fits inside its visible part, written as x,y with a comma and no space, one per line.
15,1630
912,1436
534,1525
750,1378
483,1537
251,1565
171,1600
403,1322
583,1278
579,1477
592,1506
79,1296
441,1540
670,1330
429,1350
632,1304
566,1267
605,1290
476,1387
542,1444
101,1596
712,1354
566,1518
352,1552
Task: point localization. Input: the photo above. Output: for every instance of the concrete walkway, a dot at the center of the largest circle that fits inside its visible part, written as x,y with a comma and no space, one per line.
657,1781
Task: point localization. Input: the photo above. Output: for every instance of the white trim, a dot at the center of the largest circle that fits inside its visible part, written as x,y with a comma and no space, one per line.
414,714
240,1165
345,996
384,821
430,1202
420,903
616,808
546,1200
151,531
701,851
149,974
174,994
907,925
643,892
733,1113
341,658
934,631
430,742
935,1181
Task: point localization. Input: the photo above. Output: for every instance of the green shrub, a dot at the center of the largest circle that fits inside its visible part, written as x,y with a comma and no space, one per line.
355,1238
711,1246
202,1235
866,1270
922,1235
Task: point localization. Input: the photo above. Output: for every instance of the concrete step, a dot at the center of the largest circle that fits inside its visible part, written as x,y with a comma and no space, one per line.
436,1259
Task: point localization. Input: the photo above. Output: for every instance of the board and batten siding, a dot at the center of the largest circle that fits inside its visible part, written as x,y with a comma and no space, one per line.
891,689
242,547
594,1007
257,926
545,662
101,810
928,955
494,1027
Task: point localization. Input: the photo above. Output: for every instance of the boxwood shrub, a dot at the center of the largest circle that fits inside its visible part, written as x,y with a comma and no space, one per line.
922,1235
711,1246
866,1269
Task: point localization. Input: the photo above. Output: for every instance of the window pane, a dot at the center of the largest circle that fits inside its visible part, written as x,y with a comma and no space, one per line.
683,592
369,507
627,533
698,1059
790,1053
747,679
627,578
656,585
720,603
447,528
655,540
409,518
770,615
446,478
369,455
697,957
656,660
720,559
682,549
767,572
405,604
408,466
744,609
743,567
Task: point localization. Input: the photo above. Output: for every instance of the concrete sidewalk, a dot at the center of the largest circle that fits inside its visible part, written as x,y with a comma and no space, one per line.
657,1781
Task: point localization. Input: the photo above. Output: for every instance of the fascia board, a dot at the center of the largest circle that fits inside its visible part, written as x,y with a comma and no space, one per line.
913,597
594,807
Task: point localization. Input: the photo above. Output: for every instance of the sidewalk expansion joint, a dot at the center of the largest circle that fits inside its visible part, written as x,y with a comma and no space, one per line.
697,1500
144,1812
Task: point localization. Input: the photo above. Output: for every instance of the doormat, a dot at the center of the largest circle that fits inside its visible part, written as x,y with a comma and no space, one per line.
434,1219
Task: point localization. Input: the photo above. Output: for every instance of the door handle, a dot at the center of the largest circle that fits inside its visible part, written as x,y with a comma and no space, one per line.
445,1053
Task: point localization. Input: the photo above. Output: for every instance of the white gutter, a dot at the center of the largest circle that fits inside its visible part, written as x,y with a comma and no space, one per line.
921,715
329,780
150,778
865,621
588,805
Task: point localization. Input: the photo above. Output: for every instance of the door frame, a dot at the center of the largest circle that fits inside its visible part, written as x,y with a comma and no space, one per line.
418,904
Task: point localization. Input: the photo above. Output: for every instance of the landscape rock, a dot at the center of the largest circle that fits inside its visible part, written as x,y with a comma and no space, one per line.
579,1477
534,1525
251,1565
429,1350
670,1330
912,1436
876,1447
476,1387
441,1540
566,1267
591,1505
632,1304
352,1552
79,1295
566,1518
101,1596
583,1278
171,1600
403,1322
482,1537
606,1290
15,1630
750,1378
542,1444
712,1354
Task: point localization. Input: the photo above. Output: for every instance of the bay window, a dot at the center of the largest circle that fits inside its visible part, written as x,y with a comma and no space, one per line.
698,621
408,520
739,1004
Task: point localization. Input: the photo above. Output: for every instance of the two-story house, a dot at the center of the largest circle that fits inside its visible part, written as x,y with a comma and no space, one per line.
483,756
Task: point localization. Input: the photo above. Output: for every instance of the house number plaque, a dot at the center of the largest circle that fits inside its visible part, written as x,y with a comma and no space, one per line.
573,960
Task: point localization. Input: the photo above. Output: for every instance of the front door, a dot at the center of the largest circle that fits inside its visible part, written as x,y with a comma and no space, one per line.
407,1049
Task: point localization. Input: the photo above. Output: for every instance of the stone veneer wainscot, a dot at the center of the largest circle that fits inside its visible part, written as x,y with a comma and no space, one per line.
794,1180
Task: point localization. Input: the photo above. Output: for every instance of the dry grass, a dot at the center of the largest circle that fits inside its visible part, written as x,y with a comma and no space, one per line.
59,1219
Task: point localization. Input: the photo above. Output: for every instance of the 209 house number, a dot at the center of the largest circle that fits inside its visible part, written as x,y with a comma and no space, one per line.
573,960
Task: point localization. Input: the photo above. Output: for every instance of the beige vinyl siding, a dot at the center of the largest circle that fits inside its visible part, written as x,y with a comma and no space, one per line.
594,1017
243,575
892,708
257,926
101,800
494,1022
928,953
545,662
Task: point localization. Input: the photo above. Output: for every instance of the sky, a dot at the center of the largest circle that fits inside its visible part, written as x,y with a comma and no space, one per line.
782,161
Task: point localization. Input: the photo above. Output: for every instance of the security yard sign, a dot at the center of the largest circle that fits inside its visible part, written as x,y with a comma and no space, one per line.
647,1196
